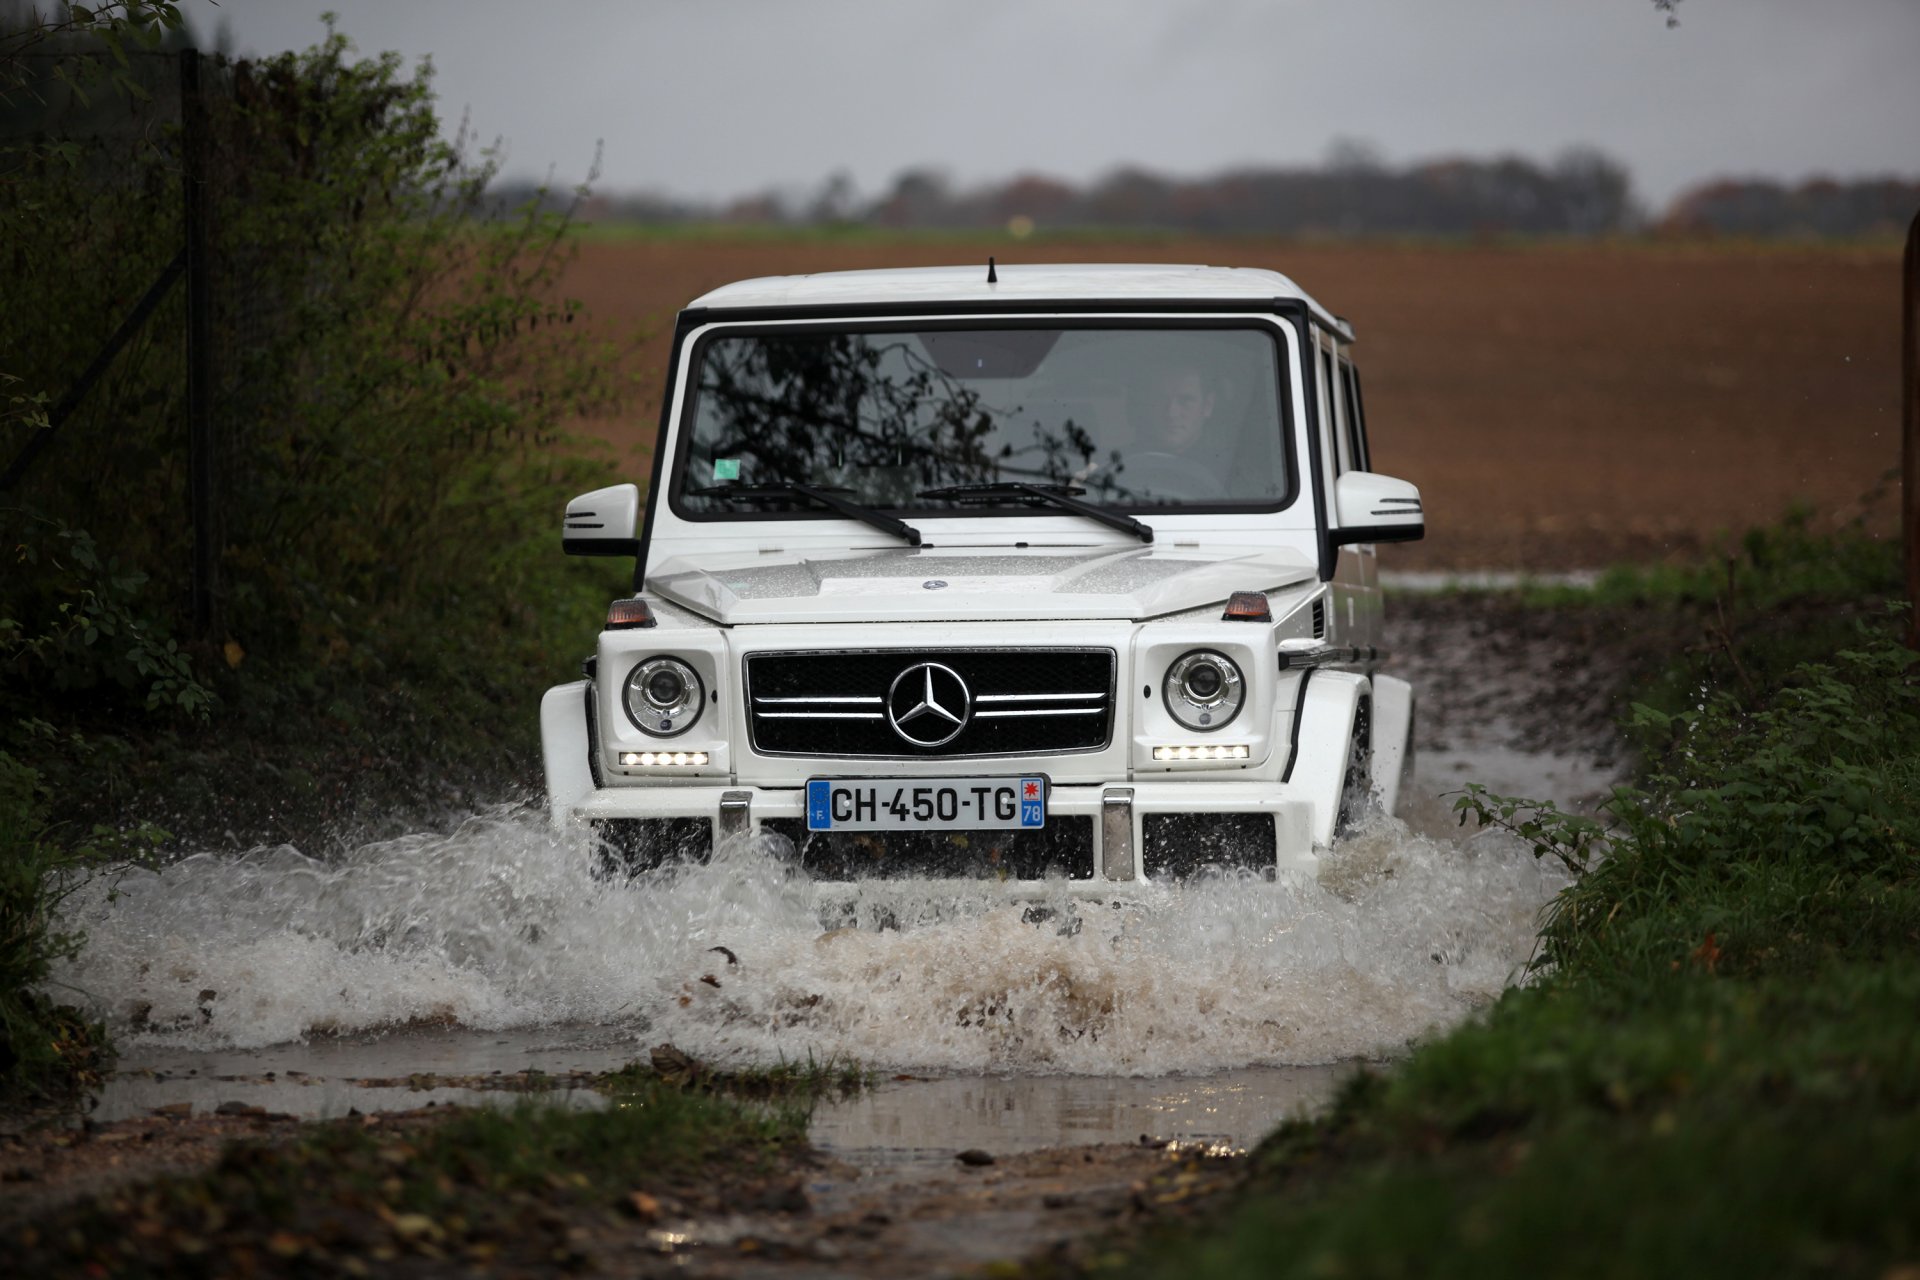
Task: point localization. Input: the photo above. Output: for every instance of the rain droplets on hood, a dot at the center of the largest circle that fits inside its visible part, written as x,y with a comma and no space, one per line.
499,923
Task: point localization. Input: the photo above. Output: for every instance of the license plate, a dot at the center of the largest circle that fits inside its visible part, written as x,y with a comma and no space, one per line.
926,804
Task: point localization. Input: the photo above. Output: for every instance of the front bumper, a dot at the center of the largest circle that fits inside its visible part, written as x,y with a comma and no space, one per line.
1116,834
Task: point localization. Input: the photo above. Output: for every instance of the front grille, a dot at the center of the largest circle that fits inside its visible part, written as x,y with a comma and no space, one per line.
1176,845
1063,847
1021,702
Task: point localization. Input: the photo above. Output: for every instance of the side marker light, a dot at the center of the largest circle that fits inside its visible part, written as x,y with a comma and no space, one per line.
624,615
1247,606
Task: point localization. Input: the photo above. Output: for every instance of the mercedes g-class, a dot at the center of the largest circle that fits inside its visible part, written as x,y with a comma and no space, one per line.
1022,573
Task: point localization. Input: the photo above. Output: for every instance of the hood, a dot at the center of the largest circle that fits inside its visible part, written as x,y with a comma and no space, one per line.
913,584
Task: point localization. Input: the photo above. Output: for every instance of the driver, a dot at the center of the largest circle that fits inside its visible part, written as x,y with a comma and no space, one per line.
1187,400
1182,450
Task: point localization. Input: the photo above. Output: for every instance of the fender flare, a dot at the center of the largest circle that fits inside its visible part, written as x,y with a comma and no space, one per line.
566,747
1328,709
1393,711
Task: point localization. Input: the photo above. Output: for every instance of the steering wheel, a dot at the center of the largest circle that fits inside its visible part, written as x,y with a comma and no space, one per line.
1172,475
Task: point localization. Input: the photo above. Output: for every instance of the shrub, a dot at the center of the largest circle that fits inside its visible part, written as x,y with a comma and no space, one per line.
393,365
46,1049
1772,832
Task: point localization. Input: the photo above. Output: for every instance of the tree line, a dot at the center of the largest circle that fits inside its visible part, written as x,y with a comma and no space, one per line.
1581,192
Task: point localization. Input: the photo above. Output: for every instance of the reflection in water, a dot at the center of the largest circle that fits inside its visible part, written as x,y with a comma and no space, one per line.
1002,1114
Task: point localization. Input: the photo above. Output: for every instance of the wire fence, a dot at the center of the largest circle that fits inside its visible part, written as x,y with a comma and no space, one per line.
127,198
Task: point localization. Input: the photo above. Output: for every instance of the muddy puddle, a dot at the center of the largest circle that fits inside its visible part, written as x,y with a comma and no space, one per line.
482,952
902,1120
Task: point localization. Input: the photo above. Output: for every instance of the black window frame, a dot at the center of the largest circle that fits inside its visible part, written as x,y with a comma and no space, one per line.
1356,414
723,327
1328,367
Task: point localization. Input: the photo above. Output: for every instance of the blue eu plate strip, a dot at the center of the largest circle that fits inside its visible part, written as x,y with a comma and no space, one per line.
819,805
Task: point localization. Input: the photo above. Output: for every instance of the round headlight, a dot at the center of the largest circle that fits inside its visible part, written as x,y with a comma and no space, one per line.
1204,690
665,688
1202,682
664,696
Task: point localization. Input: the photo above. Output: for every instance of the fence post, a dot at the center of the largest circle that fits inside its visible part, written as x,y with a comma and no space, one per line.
1910,425
200,443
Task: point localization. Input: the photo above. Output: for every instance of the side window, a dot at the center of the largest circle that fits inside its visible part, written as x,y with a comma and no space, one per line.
1356,416
1334,402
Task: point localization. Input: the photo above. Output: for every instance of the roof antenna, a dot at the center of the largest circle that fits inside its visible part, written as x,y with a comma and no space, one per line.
993,277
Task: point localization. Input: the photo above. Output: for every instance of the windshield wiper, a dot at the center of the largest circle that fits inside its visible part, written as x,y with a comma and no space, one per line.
825,497
1052,495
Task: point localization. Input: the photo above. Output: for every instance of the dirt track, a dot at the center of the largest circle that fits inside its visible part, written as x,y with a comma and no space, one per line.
1559,406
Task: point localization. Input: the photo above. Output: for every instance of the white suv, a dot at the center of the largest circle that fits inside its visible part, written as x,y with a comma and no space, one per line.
1049,572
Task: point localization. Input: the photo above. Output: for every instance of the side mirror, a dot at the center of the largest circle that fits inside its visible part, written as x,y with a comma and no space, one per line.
1375,508
602,523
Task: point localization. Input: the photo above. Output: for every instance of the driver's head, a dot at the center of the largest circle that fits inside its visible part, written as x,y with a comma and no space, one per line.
1186,400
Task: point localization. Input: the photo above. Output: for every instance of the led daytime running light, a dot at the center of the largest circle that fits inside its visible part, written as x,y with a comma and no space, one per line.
1208,751
650,758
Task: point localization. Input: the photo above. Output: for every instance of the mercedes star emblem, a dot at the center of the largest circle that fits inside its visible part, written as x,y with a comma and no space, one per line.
928,704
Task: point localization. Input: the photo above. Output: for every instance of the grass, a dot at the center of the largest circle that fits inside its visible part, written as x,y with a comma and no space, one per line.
1712,1128
532,1186
1704,1191
1716,1070
1787,563
806,1080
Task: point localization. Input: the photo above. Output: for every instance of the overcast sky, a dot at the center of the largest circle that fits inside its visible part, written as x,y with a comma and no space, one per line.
716,98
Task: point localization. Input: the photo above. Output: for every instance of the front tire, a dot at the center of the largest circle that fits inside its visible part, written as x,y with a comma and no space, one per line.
1356,790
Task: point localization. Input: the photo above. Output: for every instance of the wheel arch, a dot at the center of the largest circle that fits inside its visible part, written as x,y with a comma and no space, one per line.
1329,709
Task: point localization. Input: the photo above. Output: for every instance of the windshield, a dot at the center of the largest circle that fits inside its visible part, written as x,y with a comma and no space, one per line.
1131,417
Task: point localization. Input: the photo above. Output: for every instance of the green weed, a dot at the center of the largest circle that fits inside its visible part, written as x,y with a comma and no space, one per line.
803,1080
1770,832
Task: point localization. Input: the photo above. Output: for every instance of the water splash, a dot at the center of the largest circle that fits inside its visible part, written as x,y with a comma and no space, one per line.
499,924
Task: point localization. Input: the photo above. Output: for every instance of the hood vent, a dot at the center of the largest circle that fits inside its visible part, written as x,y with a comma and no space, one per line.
1320,619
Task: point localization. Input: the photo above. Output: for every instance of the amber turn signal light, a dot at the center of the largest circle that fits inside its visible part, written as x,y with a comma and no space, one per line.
1247,606
624,615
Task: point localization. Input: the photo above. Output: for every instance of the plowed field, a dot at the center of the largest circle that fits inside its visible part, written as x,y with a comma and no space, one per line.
1559,406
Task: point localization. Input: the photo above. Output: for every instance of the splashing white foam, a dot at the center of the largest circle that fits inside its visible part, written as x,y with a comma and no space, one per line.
499,924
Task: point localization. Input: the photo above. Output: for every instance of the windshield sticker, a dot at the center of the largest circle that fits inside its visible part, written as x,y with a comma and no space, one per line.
726,468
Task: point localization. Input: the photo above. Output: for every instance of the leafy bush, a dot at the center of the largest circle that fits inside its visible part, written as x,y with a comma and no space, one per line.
1764,836
97,635
46,1048
393,364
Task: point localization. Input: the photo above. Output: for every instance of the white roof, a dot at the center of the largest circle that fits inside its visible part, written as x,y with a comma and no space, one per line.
1018,282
